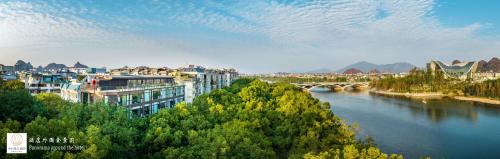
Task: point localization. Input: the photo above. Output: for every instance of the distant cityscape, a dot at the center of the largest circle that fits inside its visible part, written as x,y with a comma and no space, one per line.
362,71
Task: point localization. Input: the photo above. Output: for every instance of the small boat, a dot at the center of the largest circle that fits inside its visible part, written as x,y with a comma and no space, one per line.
424,101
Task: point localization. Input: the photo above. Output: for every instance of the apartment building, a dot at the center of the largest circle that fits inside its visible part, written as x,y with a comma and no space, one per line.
199,80
142,95
196,79
42,83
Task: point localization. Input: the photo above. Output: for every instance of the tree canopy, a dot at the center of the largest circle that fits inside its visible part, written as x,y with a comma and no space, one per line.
249,119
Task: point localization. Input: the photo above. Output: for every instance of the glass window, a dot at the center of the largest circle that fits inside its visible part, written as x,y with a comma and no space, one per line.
147,95
156,94
123,100
155,107
163,93
136,98
169,92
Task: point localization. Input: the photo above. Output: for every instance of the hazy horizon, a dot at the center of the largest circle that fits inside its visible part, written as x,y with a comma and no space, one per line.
251,36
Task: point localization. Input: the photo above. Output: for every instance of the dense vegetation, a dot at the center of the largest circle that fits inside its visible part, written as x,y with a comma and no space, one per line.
490,89
421,81
250,119
416,81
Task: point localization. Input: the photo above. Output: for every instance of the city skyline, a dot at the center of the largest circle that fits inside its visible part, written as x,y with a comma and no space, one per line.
264,37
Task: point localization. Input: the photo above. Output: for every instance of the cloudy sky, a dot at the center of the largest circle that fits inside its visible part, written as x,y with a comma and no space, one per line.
252,36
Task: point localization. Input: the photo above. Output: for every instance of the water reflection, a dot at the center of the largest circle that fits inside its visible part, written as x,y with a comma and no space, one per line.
444,128
437,110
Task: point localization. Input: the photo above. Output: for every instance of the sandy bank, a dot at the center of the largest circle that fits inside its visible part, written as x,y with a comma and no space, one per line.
478,99
436,95
430,95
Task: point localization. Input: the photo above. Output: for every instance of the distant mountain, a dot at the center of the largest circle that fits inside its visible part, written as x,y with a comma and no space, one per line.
79,65
366,67
493,65
456,62
54,66
352,71
22,66
39,69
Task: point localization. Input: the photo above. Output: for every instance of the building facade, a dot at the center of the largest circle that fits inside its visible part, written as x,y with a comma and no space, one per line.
199,80
142,95
42,83
196,79
6,70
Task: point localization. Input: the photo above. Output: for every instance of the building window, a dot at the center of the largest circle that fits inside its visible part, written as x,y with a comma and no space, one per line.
124,100
147,95
147,109
136,98
156,94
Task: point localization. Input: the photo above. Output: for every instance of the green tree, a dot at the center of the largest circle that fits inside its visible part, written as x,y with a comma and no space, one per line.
12,85
53,103
18,105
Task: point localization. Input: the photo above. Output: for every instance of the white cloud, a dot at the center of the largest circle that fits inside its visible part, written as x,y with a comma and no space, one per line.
324,31
23,23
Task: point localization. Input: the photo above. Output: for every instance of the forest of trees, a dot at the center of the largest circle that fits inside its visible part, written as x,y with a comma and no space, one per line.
422,81
250,119
416,81
489,88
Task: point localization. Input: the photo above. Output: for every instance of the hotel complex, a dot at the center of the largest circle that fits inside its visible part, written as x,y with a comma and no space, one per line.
142,90
142,95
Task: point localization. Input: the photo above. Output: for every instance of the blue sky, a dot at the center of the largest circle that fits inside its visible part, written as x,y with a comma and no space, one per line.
252,36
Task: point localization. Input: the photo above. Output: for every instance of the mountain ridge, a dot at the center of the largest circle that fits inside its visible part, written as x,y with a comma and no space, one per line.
365,66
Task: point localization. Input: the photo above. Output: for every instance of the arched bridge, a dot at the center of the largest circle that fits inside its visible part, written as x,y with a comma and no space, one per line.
332,86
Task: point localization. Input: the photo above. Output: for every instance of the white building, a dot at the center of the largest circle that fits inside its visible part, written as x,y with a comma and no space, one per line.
43,83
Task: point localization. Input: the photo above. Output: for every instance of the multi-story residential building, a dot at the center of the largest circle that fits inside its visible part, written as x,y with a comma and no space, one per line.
6,70
71,92
142,95
80,71
96,71
197,80
42,83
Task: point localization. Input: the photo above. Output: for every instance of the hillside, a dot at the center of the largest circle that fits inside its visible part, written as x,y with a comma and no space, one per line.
367,67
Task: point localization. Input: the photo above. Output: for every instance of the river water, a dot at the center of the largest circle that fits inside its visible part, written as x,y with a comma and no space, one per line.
439,128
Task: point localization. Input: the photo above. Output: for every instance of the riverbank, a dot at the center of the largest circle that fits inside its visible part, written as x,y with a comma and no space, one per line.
436,95
430,95
478,99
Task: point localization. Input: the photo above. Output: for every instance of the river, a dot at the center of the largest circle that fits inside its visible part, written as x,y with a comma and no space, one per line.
439,128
